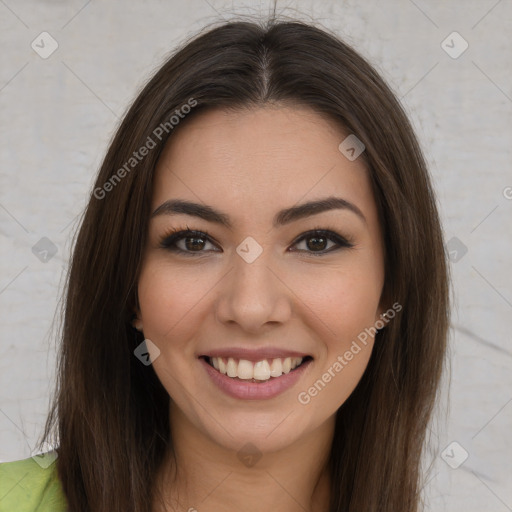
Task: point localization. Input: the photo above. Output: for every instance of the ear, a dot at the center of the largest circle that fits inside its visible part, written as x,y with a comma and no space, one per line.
137,317
137,322
383,307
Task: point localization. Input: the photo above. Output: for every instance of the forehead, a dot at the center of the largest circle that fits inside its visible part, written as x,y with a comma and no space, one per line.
259,158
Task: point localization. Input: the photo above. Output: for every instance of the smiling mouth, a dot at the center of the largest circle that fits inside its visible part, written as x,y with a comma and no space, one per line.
260,371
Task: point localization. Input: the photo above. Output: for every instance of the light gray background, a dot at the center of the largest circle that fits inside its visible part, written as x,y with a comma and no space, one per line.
59,113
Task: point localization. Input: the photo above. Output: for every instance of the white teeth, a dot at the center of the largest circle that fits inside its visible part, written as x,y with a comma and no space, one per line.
276,368
261,370
232,368
245,369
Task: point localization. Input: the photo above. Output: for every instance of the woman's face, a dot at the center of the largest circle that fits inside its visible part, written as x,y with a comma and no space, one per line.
253,285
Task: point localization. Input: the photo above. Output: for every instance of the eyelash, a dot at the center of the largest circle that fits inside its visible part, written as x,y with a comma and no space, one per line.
169,240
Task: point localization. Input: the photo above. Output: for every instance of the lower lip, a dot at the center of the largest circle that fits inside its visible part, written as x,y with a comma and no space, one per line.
253,390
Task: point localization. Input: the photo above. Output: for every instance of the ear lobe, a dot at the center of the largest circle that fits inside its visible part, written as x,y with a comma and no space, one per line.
137,323
381,312
382,309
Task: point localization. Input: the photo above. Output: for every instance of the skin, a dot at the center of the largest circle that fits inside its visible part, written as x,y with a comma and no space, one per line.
249,165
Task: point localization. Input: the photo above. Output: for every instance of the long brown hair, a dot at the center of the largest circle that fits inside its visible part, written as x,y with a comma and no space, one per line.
109,417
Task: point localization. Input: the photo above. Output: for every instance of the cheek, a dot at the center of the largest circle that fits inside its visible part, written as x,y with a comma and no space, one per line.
345,300
170,301
172,304
344,304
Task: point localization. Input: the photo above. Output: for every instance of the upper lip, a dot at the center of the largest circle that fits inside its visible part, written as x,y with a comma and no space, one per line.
253,355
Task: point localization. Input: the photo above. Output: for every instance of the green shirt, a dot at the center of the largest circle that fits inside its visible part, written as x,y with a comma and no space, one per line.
31,485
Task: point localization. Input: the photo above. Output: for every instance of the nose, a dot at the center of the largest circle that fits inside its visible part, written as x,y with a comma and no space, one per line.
253,295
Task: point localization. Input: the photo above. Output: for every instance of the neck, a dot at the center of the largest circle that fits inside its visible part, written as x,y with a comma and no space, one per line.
206,477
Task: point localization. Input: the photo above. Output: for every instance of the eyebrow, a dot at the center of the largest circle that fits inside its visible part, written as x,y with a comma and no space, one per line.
283,217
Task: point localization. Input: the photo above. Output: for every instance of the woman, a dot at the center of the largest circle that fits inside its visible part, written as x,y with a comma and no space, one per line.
257,305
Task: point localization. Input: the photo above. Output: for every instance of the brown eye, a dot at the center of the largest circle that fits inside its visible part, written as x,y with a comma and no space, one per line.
317,242
194,243
187,242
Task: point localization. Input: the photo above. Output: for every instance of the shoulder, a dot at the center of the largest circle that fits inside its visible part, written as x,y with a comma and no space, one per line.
31,485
